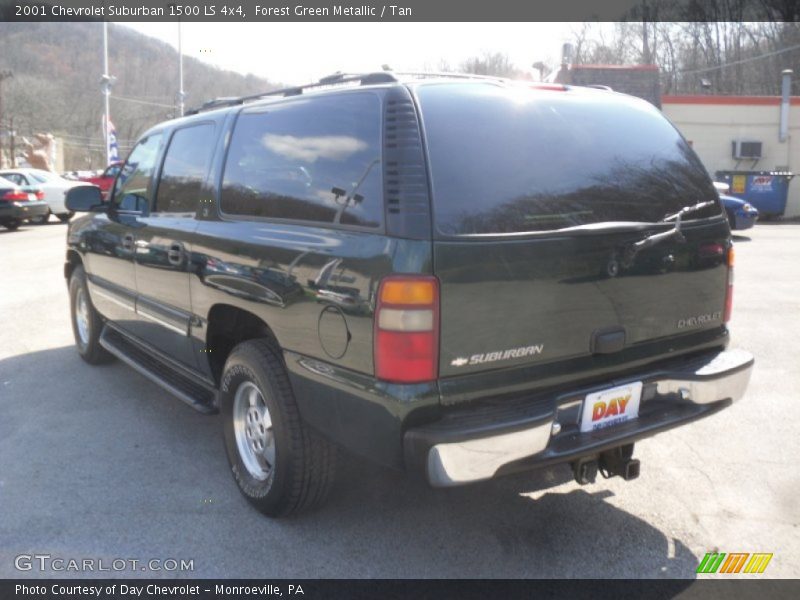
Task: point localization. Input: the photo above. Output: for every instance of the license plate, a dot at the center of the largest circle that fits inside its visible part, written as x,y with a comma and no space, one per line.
611,407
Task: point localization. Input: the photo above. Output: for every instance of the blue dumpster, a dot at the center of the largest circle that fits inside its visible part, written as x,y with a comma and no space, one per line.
766,190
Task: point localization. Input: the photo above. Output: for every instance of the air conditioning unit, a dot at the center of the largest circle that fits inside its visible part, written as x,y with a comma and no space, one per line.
746,150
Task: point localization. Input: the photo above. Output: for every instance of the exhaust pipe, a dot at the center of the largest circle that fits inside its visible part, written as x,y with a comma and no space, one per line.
585,470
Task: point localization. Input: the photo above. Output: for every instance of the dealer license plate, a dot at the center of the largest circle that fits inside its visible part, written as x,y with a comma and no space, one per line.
611,407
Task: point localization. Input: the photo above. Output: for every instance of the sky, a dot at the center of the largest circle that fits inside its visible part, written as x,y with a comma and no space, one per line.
295,53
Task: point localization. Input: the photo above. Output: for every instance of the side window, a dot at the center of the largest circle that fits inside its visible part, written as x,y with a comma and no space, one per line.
315,159
185,168
16,178
132,192
111,171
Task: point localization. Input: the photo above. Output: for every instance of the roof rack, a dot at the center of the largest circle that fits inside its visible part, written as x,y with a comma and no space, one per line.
336,79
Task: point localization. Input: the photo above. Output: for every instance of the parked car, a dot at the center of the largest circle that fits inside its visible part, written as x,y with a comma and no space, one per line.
105,179
52,184
460,277
741,214
18,204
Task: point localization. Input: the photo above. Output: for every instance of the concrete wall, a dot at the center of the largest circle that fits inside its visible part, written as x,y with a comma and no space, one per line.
712,122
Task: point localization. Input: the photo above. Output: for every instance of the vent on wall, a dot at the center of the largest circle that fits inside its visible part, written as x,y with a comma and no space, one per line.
405,178
741,149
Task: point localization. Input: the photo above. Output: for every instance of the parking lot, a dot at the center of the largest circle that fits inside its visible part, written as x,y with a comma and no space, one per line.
100,463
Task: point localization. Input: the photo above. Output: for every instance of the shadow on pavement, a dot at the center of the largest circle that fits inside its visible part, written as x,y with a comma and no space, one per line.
98,461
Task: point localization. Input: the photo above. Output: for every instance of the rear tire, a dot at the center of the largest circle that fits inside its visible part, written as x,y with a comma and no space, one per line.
86,322
65,217
281,465
12,225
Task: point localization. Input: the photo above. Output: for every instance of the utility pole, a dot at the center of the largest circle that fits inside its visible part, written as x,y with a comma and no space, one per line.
11,143
181,94
106,81
3,76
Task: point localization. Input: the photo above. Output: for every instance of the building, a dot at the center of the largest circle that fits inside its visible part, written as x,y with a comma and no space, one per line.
713,123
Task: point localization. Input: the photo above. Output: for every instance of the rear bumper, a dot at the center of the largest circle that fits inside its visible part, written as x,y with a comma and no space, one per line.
476,444
19,211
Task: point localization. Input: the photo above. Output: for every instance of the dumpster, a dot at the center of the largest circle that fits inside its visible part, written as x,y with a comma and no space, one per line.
766,190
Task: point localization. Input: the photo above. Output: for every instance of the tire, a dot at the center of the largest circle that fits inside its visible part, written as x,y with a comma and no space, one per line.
65,217
12,225
295,466
41,219
86,322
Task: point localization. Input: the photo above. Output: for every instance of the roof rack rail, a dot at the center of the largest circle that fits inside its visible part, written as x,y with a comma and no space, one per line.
335,79
448,74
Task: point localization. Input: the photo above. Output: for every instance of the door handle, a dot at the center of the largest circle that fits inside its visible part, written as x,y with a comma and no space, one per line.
175,253
127,241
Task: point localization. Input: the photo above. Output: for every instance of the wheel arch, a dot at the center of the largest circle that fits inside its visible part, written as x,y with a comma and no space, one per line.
73,260
227,326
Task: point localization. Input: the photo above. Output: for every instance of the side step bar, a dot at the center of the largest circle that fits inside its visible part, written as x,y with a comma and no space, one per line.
196,394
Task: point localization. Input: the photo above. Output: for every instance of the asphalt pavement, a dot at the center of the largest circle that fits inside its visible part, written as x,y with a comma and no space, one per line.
99,463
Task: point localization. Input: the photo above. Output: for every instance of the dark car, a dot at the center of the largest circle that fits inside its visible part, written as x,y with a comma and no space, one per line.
461,277
19,204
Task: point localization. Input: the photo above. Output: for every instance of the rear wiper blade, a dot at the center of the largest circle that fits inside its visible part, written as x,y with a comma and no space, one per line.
630,252
688,209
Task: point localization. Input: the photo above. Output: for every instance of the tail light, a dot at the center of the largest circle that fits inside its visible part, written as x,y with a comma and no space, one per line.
729,290
39,194
406,346
15,195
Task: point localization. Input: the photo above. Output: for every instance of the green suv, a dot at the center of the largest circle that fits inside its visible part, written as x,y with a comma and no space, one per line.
458,276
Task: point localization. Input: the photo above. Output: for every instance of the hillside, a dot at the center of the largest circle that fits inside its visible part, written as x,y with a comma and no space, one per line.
56,84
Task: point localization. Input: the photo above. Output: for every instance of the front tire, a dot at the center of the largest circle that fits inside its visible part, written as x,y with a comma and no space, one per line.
86,322
65,217
281,465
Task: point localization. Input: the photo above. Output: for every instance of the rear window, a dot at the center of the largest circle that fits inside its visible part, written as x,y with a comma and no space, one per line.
511,160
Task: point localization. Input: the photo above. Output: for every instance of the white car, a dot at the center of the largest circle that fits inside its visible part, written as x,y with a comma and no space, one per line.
52,184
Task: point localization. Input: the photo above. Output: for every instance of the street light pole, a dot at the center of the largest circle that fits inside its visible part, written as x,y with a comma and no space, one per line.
106,81
181,94
3,76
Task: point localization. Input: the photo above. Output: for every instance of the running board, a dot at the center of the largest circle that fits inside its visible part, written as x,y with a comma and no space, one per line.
195,394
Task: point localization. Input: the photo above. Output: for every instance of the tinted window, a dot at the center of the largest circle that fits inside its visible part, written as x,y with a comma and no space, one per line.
312,160
133,188
16,178
506,160
185,167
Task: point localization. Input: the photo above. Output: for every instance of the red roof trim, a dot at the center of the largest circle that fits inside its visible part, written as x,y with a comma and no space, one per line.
729,100
617,67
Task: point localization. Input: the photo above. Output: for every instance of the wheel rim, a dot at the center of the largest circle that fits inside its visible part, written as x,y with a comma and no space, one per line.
252,426
82,316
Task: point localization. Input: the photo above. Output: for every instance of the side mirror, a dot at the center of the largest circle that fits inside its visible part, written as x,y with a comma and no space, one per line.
85,198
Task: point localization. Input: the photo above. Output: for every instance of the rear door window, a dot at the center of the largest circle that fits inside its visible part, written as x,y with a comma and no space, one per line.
512,159
314,159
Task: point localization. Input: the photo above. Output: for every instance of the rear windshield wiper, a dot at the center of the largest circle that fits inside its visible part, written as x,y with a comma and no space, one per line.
630,252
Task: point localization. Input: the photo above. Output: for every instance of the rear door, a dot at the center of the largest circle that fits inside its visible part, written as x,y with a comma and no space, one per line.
538,198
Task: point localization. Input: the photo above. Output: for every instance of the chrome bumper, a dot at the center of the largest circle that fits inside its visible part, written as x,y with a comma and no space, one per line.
713,382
